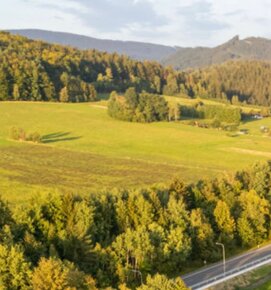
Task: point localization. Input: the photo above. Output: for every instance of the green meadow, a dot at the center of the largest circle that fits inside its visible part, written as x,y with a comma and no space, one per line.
84,150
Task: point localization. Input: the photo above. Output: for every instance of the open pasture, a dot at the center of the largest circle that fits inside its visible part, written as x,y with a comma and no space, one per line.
84,150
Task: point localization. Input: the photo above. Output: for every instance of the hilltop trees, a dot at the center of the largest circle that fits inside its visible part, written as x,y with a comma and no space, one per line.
75,90
234,81
37,71
34,70
4,84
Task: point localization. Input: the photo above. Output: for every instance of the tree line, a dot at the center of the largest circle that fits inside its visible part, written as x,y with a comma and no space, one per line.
220,113
236,82
38,71
145,107
132,239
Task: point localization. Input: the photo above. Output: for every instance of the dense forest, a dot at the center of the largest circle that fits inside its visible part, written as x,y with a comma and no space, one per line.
135,239
38,71
236,81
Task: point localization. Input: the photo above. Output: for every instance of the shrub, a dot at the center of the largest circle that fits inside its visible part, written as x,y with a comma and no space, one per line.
20,134
17,134
34,137
215,123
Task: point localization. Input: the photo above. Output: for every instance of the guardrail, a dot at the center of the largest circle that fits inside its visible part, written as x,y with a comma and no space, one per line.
232,273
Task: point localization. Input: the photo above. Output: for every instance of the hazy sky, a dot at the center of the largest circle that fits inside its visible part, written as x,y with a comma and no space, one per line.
172,22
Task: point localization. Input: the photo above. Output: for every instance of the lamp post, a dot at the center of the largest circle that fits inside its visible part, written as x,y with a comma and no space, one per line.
224,260
138,272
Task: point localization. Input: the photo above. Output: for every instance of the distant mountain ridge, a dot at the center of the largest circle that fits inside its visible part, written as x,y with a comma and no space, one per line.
253,48
182,58
135,50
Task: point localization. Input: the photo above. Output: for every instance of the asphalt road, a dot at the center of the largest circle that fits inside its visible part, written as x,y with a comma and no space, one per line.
234,263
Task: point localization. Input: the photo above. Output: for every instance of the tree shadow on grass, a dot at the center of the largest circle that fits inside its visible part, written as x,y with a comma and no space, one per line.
249,120
58,137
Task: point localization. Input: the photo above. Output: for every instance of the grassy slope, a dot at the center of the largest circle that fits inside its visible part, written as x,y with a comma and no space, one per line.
86,150
185,100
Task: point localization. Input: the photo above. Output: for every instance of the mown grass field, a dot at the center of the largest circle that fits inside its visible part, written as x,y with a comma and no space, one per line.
85,150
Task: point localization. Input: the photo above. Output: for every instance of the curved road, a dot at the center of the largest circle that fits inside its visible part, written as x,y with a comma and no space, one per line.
236,262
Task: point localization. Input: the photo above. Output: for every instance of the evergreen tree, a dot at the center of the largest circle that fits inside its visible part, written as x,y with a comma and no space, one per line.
4,85
36,93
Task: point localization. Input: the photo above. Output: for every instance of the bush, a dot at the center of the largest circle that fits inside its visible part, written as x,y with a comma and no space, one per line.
215,123
34,137
17,134
20,134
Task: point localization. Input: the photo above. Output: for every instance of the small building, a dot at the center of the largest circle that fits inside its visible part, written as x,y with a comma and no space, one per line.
257,117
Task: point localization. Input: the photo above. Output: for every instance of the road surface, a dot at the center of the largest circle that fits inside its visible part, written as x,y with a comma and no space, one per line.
236,262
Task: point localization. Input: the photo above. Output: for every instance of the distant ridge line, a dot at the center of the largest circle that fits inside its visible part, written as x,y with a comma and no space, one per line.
182,58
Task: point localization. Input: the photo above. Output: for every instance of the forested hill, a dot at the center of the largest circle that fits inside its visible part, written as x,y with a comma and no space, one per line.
38,71
133,49
253,48
236,81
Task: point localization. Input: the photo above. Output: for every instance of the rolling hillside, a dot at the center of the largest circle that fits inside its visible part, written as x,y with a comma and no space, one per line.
85,150
252,48
39,71
135,50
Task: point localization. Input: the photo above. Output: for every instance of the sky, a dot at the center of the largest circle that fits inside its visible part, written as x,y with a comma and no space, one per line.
169,22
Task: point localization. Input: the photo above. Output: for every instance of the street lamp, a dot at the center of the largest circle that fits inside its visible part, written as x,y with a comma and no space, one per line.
138,272
224,260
